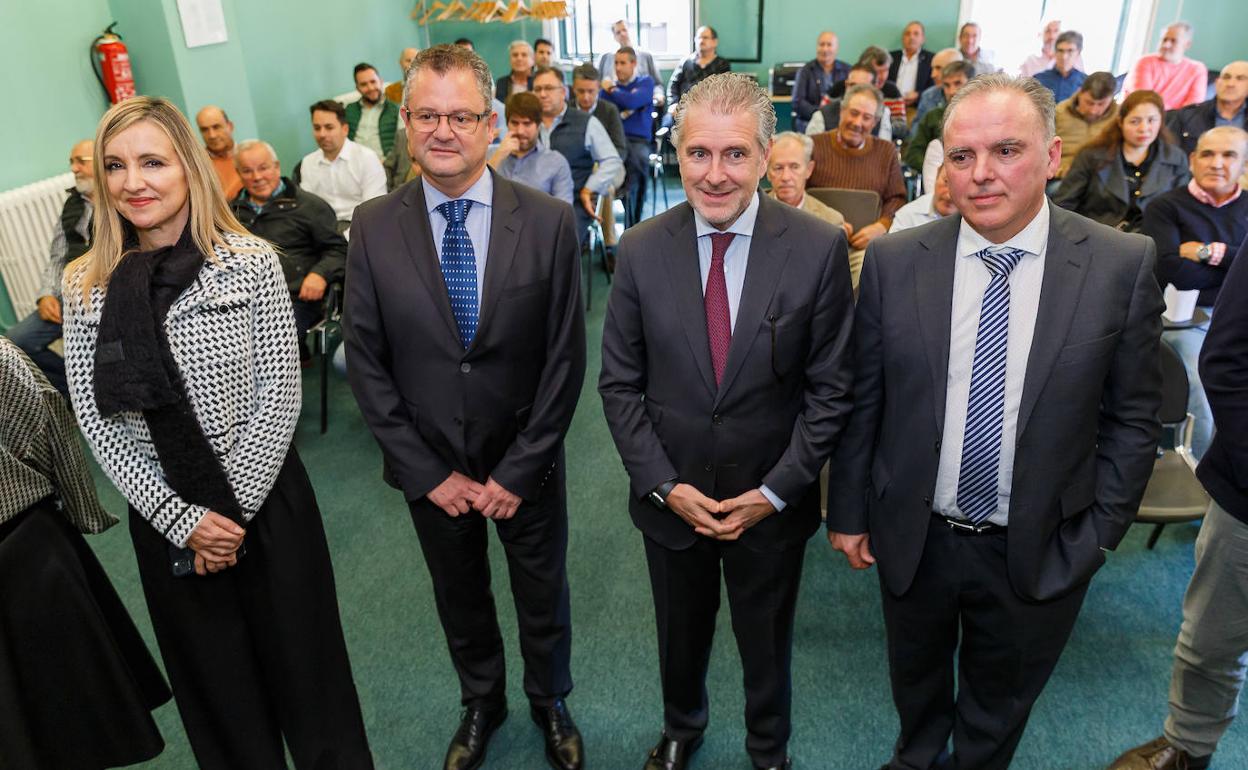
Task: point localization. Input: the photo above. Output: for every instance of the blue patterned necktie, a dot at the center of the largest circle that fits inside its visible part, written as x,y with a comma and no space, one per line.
459,268
985,409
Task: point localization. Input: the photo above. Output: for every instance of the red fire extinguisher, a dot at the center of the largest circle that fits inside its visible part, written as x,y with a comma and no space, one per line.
111,63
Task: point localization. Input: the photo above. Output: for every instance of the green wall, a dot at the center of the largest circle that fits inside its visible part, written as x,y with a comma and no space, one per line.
1218,26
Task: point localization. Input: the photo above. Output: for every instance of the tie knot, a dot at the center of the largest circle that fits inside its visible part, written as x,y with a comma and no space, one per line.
720,243
1000,260
455,211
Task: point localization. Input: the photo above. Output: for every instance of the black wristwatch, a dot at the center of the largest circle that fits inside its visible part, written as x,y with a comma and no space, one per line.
1204,253
658,495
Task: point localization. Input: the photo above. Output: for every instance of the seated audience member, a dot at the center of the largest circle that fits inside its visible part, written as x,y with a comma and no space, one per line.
697,66
394,91
581,138
1124,168
953,76
815,78
340,172
828,116
969,46
1180,81
933,96
933,159
631,93
79,683
789,166
911,69
851,157
462,42
878,61
1084,115
302,227
544,53
521,76
1226,108
399,165
645,61
372,119
1039,62
218,132
70,240
1198,229
522,159
928,207
586,86
1064,78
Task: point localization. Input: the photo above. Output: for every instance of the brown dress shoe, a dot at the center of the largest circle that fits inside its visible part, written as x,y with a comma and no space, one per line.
1159,754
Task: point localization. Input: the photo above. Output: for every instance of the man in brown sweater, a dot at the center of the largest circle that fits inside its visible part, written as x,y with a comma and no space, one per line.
850,157
1084,115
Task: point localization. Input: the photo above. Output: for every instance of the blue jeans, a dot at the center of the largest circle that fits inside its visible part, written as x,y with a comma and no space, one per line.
33,335
1187,343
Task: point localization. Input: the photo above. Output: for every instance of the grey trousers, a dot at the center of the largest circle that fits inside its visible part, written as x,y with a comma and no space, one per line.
1211,655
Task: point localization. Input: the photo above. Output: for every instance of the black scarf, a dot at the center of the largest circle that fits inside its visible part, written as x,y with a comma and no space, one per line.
135,371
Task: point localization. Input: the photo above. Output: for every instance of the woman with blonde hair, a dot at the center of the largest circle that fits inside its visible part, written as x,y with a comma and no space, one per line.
1122,169
184,373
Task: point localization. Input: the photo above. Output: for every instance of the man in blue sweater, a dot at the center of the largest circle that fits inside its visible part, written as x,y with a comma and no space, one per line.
633,93
1198,229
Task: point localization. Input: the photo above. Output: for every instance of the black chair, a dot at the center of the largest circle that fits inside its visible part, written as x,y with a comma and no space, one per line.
319,338
658,172
859,207
1173,494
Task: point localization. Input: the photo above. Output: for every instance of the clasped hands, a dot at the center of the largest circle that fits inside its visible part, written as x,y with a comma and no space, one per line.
215,541
719,519
459,494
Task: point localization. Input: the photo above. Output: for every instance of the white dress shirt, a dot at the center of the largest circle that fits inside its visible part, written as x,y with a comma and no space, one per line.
917,212
908,72
477,222
368,132
736,259
970,280
345,182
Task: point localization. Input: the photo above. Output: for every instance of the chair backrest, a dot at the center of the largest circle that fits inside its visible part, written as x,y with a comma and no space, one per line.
859,207
1173,386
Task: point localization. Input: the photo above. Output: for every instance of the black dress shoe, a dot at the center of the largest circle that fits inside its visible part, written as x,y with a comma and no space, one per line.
467,749
787,764
564,749
671,754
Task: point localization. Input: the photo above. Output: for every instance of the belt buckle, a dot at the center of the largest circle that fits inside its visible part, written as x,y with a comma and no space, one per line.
961,526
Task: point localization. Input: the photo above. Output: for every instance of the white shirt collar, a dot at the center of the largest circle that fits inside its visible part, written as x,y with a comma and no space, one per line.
344,154
743,226
1032,239
482,192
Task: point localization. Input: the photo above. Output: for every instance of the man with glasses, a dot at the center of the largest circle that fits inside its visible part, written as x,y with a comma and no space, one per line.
581,138
70,240
466,340
1064,77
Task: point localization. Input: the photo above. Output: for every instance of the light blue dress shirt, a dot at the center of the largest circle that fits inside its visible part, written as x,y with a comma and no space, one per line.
541,169
736,259
477,223
610,169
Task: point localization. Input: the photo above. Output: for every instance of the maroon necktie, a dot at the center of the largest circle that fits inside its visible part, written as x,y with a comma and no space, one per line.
718,321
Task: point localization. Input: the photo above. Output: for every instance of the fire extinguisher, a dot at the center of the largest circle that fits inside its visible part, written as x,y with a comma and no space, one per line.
111,63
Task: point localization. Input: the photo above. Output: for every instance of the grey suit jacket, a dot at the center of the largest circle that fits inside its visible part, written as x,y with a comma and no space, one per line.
784,396
1087,424
500,408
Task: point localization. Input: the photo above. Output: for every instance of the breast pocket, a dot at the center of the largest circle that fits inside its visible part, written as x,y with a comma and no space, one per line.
218,329
788,336
1090,350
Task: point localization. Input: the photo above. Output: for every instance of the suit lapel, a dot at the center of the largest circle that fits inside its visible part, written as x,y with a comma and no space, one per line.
1065,267
505,226
685,278
1113,179
767,259
418,237
933,294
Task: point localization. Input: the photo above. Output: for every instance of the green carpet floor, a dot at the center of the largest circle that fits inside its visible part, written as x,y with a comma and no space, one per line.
1108,693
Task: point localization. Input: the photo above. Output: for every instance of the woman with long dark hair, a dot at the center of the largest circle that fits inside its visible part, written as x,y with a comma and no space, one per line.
184,373
1121,170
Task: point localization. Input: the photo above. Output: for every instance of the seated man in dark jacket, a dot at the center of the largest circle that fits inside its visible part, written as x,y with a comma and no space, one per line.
301,225
1228,107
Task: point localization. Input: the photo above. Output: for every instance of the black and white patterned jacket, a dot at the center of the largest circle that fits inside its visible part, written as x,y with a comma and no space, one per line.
232,334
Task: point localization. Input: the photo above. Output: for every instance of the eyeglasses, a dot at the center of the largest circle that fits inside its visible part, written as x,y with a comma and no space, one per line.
427,121
546,89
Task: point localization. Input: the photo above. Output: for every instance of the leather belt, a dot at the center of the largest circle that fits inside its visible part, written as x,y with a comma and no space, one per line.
967,527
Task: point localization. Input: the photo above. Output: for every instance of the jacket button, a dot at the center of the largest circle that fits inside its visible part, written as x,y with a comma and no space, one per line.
717,420
465,367
459,420
708,467
927,501
937,445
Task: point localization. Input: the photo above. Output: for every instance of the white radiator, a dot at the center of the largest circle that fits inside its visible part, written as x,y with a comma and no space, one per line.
28,218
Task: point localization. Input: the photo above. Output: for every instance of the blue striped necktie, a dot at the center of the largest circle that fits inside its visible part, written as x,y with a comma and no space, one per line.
985,408
459,268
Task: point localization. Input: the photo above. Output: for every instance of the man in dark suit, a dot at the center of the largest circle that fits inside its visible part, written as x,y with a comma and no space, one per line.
466,343
1006,381
1228,107
725,381
911,69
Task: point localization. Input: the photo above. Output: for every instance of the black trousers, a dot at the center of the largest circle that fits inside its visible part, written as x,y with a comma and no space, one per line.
637,174
1008,650
535,541
255,653
762,595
